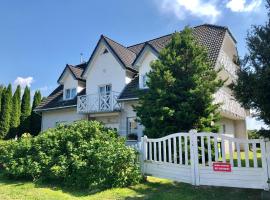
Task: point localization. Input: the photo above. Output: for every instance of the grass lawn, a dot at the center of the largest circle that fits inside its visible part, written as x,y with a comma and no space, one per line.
154,188
243,157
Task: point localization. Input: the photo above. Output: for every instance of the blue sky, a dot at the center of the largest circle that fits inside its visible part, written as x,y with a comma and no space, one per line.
38,38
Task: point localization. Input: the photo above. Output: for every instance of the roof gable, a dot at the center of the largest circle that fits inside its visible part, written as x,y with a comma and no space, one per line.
124,56
145,49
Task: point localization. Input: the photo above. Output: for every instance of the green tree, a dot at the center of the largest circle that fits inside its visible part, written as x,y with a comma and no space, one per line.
16,113
253,86
181,87
36,118
25,111
5,112
1,91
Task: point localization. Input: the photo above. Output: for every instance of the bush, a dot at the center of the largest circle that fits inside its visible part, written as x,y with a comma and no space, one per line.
84,155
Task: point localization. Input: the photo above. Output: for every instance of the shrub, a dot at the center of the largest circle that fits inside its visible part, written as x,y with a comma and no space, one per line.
84,155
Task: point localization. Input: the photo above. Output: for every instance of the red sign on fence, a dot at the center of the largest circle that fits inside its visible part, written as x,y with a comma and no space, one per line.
222,167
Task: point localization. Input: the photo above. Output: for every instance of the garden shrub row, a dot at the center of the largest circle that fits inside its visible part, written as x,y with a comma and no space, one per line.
83,155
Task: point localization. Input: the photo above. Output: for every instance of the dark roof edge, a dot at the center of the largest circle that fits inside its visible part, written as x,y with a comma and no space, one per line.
55,108
144,46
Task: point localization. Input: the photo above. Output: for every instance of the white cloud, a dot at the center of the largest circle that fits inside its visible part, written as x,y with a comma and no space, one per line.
207,10
243,5
23,82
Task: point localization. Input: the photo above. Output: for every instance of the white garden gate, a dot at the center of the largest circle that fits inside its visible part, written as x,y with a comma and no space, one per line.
190,157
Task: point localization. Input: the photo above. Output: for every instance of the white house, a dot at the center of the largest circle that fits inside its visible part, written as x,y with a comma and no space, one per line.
105,88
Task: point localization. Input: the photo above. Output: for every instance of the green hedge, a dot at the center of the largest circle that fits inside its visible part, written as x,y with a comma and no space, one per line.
84,155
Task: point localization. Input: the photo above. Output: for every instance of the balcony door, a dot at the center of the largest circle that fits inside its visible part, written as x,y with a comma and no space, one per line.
105,97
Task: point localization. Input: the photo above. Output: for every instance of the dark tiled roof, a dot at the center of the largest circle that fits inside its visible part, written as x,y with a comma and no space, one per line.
209,36
125,55
76,70
55,100
131,90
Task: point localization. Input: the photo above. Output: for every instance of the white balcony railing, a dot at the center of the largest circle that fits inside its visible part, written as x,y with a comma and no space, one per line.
229,66
229,104
94,103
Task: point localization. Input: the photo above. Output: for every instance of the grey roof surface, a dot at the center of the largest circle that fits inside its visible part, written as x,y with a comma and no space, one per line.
210,36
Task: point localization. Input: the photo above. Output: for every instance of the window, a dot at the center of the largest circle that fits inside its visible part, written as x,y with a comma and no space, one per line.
73,93
70,93
223,128
105,51
144,81
132,128
105,101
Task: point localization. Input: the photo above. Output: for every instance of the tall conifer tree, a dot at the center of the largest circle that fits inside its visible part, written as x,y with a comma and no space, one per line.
1,91
181,87
35,118
16,113
25,112
5,112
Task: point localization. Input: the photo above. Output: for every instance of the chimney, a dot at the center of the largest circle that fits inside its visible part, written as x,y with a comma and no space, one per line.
81,57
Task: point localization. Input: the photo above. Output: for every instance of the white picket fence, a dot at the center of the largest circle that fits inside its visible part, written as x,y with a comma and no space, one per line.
189,157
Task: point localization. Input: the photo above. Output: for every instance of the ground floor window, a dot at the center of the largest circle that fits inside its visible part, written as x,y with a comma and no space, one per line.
132,128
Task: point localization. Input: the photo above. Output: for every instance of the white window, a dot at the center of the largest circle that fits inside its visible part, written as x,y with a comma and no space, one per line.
144,81
70,93
73,93
132,128
105,101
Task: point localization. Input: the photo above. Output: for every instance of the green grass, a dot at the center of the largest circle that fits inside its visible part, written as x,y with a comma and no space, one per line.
154,188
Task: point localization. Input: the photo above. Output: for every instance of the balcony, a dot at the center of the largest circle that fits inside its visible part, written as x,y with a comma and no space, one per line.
98,103
229,105
229,66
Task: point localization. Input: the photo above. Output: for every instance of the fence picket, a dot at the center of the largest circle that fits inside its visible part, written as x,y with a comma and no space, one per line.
155,151
202,151
150,151
170,150
231,153
159,151
174,151
254,148
186,151
223,150
180,150
246,155
165,150
209,150
216,148
238,155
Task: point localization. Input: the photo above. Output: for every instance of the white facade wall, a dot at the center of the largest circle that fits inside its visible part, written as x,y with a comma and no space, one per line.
127,112
145,65
69,82
52,117
105,69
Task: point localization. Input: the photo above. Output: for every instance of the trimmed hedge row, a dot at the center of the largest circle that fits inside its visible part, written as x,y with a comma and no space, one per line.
83,155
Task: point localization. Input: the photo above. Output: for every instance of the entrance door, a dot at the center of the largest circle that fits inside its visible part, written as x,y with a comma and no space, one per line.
105,97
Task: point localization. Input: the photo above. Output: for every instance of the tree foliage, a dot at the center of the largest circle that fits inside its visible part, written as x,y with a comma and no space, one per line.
25,111
35,118
16,113
253,86
181,87
5,115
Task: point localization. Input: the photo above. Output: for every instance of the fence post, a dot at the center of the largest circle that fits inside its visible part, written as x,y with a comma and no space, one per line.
194,157
267,156
143,152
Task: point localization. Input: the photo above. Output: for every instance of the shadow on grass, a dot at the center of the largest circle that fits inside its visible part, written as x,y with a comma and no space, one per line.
152,189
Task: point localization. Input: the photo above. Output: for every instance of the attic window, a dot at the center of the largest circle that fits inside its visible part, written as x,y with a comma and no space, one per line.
105,51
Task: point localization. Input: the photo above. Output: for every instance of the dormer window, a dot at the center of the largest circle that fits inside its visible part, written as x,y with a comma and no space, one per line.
144,81
105,51
70,93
